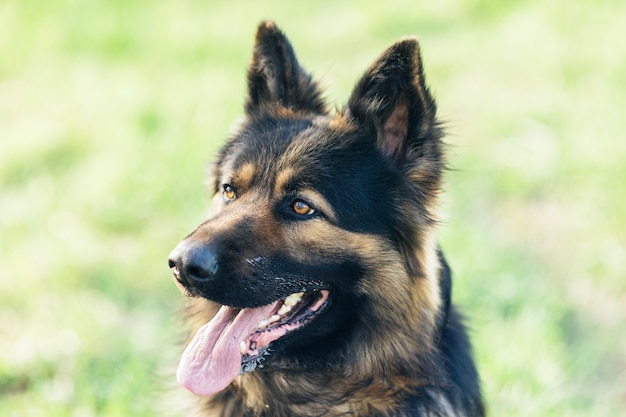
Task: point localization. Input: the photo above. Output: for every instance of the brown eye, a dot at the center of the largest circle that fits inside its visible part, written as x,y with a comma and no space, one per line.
301,208
229,194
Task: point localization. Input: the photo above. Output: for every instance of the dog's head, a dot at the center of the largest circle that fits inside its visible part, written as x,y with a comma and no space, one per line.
321,238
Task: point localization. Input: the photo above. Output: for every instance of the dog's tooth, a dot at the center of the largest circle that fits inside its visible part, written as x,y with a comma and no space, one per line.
293,299
274,318
284,310
263,323
243,347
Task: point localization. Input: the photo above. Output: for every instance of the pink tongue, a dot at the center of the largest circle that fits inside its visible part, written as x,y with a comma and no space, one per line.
212,359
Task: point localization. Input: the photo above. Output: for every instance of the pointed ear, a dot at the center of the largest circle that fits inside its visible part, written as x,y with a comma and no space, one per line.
275,77
392,99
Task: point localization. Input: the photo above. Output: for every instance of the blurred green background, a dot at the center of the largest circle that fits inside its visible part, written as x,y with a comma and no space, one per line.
110,110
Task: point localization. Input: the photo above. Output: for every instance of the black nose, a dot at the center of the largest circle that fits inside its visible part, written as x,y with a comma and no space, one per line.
193,263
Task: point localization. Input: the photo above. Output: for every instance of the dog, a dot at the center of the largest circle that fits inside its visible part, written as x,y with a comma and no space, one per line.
316,286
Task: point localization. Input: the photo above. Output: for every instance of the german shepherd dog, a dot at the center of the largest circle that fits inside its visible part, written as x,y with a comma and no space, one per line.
316,286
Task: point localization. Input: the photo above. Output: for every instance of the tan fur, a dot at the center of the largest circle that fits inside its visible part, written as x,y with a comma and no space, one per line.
282,179
245,176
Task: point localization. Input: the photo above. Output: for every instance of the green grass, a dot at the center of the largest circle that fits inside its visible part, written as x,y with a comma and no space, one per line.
110,110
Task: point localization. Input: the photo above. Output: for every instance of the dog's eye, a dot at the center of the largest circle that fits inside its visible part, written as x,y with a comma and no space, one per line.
229,193
302,208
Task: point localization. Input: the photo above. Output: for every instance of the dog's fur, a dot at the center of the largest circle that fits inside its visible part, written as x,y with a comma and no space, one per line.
344,202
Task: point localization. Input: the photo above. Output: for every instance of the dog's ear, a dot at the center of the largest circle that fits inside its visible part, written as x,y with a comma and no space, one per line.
392,99
275,77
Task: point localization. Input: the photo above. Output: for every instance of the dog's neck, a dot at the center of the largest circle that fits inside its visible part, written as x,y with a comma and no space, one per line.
379,390
299,394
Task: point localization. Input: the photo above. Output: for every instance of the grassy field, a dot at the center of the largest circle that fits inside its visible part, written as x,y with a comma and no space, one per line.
110,110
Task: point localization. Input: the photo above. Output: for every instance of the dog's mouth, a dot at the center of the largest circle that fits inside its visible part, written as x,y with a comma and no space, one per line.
236,340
